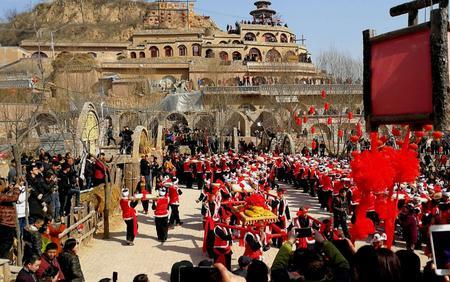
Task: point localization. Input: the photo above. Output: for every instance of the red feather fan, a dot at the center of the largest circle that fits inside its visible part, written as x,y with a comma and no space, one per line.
419,134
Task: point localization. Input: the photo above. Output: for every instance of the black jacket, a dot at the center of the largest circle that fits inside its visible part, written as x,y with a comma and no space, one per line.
145,167
70,266
33,242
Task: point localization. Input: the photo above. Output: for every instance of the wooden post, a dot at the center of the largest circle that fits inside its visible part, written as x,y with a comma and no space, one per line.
439,62
106,210
367,77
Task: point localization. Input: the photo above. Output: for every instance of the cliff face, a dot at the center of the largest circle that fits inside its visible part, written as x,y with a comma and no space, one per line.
74,20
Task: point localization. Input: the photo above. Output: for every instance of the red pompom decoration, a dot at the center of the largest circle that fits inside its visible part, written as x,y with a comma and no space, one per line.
326,106
324,94
329,121
370,171
305,119
350,115
438,135
255,200
419,134
311,110
354,138
396,132
428,127
313,130
298,121
340,133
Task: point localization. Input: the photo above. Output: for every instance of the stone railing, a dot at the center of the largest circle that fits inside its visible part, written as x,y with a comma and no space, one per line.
286,89
280,66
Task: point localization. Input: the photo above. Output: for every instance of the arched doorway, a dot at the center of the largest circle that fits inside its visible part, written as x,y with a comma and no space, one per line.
273,56
206,82
154,52
209,54
250,36
255,55
176,122
223,56
88,130
237,56
236,120
168,51
182,51
39,55
205,122
266,123
270,38
129,119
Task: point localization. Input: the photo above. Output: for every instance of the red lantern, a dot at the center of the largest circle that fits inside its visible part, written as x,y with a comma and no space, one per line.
298,121
396,132
313,145
428,127
419,134
295,114
311,110
358,126
340,133
329,121
350,115
324,94
305,119
313,130
326,106
354,138
438,135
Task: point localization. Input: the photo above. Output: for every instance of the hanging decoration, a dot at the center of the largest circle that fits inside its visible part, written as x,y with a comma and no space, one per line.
326,106
340,133
313,130
329,120
350,115
312,111
324,94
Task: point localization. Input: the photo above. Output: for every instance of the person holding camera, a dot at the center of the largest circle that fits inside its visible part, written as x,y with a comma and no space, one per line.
8,196
340,209
49,268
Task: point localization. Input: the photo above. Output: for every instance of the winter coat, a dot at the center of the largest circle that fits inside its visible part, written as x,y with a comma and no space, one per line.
21,203
46,263
7,210
89,169
33,241
70,266
99,170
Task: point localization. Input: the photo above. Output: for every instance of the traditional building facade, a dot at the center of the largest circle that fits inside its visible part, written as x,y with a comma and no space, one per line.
254,72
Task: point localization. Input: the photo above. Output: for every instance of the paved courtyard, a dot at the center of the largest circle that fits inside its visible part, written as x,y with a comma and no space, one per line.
101,257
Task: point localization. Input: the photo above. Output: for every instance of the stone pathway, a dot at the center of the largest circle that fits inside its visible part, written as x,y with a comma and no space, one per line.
101,257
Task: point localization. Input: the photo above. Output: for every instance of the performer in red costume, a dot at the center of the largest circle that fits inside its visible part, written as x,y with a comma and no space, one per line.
127,205
222,242
161,209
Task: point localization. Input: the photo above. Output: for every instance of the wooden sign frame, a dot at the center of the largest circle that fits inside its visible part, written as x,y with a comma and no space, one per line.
438,28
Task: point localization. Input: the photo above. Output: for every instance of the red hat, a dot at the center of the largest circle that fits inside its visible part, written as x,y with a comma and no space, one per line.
302,211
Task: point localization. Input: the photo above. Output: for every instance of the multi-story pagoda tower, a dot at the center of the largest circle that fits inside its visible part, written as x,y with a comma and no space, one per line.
263,14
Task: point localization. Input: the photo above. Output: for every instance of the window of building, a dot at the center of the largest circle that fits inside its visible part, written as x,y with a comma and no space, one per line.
141,54
269,37
168,51
283,38
133,55
154,52
196,50
209,53
250,36
223,56
237,56
182,50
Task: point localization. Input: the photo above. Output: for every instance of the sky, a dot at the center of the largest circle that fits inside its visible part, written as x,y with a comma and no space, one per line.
324,24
